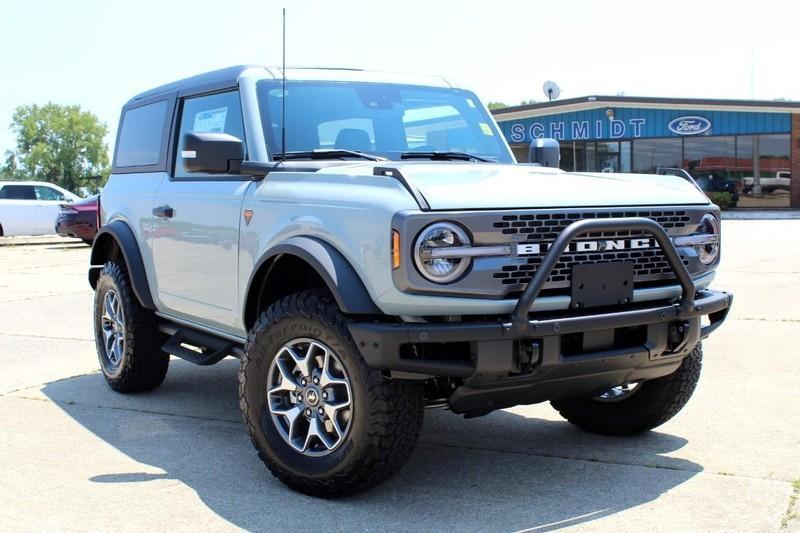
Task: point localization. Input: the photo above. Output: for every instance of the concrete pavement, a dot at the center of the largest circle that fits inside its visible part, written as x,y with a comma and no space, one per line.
76,456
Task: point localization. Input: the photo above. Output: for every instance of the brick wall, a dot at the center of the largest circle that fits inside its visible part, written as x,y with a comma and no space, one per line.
795,143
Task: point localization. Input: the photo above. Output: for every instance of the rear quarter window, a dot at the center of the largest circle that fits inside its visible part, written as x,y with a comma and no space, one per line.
141,136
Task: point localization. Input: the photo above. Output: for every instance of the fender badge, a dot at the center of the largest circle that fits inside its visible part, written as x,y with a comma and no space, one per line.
248,215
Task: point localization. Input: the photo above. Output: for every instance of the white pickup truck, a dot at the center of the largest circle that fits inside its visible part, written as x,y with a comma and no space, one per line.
780,181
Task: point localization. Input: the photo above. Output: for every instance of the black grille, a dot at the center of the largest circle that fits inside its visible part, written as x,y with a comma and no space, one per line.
547,226
649,264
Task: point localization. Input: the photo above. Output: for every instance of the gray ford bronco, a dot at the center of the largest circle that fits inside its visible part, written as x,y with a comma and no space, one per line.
368,247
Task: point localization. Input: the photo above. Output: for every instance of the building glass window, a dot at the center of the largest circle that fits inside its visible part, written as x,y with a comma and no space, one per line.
520,152
590,164
710,157
650,154
607,157
567,157
625,156
764,170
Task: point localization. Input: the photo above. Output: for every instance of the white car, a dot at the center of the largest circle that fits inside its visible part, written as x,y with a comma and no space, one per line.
30,207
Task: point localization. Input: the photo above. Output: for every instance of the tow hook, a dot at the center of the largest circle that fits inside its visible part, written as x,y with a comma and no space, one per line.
528,356
677,335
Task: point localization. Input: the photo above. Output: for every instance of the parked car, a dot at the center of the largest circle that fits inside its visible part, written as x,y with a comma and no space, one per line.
781,181
78,219
707,182
31,207
391,256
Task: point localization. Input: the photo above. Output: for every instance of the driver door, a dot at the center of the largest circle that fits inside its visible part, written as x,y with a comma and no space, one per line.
196,220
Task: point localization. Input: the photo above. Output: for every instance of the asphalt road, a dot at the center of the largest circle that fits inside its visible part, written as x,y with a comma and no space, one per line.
76,456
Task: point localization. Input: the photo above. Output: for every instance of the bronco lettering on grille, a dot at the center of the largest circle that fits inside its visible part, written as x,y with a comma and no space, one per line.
591,246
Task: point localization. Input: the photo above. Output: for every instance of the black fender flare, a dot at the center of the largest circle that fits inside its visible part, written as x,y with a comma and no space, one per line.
338,274
123,235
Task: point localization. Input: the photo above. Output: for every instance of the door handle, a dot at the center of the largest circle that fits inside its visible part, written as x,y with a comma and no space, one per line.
163,211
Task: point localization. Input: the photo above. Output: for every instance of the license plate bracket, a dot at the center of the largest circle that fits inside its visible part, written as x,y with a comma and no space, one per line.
602,284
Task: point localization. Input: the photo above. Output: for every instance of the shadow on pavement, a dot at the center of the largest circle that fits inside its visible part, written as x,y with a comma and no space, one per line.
503,471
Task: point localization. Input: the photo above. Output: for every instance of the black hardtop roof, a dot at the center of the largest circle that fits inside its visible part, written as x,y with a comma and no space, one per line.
222,78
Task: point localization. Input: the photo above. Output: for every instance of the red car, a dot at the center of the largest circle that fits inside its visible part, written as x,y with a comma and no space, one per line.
78,219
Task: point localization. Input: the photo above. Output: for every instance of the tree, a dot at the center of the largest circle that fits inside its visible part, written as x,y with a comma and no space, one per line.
59,144
501,105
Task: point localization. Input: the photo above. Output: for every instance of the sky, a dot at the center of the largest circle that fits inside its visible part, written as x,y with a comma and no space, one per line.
100,53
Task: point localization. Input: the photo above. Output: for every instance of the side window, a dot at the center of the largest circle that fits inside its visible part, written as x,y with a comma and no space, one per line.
48,193
18,192
140,138
220,113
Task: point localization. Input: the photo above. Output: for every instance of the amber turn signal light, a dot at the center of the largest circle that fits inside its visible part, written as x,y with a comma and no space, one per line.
395,250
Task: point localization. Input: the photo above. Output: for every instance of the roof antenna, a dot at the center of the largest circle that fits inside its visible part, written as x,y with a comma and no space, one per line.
283,90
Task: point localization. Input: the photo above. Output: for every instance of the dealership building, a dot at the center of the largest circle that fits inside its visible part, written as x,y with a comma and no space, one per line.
750,146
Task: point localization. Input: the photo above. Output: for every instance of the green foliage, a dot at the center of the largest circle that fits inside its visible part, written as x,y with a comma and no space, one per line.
59,144
501,105
722,199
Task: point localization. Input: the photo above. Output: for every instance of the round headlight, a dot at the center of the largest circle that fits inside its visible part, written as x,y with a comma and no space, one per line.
708,253
435,237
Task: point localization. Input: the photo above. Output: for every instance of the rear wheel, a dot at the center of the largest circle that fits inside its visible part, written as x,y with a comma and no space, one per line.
322,421
635,407
126,334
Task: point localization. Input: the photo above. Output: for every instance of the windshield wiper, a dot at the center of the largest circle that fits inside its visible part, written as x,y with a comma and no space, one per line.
334,153
444,156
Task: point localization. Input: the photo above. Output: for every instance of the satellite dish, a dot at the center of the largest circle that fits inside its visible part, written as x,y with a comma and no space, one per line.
551,90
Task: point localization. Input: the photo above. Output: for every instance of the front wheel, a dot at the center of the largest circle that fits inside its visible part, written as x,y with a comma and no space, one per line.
635,407
322,421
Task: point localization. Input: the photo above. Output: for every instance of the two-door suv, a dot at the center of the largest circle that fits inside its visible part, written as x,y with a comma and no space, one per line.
368,247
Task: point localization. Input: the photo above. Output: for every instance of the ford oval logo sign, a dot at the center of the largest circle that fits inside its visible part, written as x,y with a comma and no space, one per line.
689,125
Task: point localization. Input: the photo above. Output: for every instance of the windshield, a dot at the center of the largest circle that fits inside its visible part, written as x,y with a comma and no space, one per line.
375,118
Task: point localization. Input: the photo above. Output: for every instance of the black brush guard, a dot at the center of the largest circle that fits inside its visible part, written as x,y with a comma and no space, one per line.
495,347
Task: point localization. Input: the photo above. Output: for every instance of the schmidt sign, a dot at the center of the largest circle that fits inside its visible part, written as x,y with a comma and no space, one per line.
600,124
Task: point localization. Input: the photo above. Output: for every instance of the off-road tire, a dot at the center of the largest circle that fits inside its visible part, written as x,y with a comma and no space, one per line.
387,414
654,403
143,365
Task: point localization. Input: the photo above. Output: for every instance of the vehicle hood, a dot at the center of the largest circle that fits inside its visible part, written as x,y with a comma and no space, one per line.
455,186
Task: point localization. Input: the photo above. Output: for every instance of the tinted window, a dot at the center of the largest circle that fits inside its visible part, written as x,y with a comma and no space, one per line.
219,113
140,139
18,192
48,193
380,118
650,154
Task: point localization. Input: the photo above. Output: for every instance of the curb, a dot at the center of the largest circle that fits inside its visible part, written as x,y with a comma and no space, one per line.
37,241
793,214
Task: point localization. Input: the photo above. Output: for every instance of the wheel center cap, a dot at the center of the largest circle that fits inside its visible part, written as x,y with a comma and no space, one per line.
312,397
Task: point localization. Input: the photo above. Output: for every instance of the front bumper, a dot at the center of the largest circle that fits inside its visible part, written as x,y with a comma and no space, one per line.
519,359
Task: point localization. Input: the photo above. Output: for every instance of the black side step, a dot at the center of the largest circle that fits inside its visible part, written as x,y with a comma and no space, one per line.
197,347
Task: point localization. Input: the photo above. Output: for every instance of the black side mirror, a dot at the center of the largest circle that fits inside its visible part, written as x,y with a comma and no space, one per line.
545,152
212,153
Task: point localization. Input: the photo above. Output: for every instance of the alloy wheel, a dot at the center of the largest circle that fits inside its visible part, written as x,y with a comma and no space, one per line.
310,397
112,324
